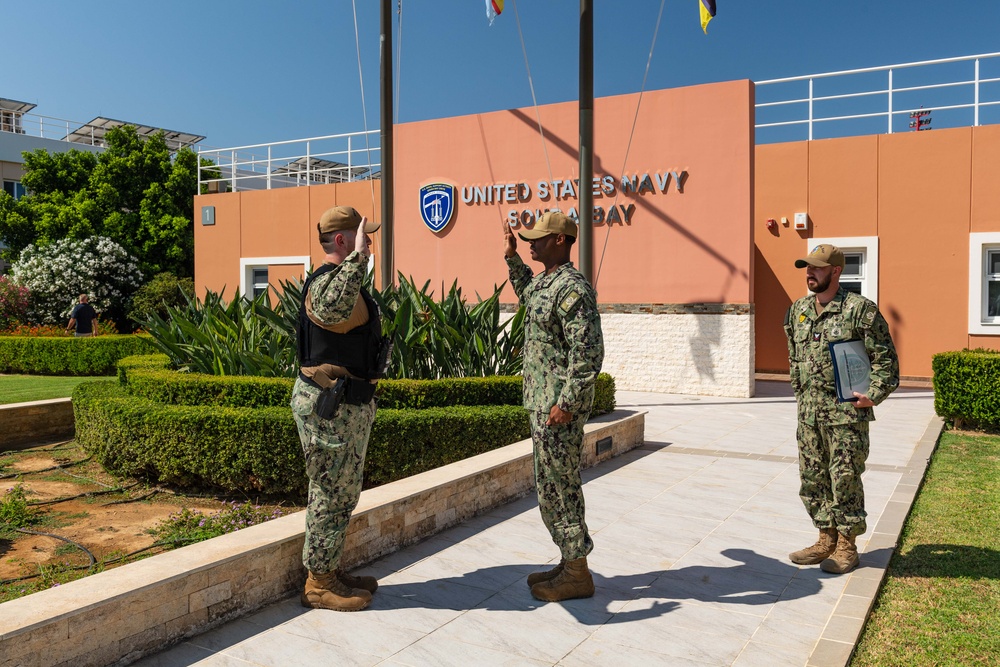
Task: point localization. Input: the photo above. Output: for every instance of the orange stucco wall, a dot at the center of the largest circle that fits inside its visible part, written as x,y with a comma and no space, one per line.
921,194
687,246
270,224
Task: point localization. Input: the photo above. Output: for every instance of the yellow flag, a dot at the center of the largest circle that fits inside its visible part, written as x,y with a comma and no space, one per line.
707,12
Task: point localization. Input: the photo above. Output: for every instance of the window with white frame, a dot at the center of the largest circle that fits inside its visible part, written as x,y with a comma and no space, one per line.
984,283
860,274
992,287
259,277
254,274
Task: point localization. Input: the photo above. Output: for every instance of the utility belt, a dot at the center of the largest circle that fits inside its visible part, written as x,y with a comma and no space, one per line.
345,390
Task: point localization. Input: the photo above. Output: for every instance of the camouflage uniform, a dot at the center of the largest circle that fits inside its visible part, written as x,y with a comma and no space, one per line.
832,436
563,353
334,448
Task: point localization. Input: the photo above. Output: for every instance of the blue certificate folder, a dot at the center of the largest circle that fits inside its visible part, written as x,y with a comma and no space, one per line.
851,369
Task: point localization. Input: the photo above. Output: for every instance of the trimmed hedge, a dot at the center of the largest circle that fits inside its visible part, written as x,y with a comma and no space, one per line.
147,376
967,386
237,432
68,356
240,449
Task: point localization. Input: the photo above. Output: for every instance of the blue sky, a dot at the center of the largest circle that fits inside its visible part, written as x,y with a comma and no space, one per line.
255,71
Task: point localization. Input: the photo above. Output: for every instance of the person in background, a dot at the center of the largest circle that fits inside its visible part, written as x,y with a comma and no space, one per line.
83,318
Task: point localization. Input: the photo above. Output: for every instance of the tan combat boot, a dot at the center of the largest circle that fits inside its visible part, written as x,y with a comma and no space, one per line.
824,546
326,591
539,577
573,582
363,582
844,559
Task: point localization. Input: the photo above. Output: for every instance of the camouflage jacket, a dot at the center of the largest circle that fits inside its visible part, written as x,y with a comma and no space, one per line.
563,342
847,317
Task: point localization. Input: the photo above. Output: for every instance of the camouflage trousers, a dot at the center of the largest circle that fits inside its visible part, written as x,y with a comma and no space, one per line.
831,460
560,489
335,459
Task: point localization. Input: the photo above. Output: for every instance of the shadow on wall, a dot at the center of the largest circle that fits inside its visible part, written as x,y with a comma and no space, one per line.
566,148
770,346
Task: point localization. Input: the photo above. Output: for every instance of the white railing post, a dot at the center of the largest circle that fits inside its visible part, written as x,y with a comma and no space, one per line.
810,109
975,108
350,161
232,167
268,167
308,162
890,101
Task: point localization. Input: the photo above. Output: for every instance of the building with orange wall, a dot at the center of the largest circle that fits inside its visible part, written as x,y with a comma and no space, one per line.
673,240
693,282
921,210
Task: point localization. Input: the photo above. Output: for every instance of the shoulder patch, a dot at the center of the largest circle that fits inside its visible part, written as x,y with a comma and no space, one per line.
868,316
569,301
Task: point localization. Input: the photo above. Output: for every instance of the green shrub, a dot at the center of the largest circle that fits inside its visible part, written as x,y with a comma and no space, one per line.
165,289
259,450
148,376
967,386
68,356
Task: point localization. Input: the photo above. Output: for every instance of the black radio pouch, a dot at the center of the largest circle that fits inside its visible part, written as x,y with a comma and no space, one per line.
330,398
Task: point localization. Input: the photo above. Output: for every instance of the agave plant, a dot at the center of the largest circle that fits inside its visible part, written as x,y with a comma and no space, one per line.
431,339
447,338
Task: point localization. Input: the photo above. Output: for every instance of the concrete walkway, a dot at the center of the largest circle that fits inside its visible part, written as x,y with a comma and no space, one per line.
692,533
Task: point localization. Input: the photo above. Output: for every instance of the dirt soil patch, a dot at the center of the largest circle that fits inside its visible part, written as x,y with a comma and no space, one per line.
73,497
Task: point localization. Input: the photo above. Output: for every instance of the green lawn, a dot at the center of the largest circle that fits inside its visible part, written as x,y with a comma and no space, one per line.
21,388
940,604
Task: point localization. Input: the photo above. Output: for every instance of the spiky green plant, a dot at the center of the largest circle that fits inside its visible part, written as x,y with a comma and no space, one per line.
431,338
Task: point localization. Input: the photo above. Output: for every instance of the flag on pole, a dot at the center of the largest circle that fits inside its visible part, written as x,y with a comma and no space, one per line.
707,12
493,9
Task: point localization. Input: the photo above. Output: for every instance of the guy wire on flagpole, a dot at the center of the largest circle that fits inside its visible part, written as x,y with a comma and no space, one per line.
635,120
364,109
531,85
399,51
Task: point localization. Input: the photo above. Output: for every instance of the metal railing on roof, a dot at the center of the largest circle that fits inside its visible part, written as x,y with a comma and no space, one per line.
45,127
336,158
959,92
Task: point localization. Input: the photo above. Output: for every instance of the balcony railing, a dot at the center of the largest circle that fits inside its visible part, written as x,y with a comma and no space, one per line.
337,158
958,92
45,127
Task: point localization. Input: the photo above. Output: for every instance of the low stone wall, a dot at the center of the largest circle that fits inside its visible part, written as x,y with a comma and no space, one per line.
118,616
28,424
705,349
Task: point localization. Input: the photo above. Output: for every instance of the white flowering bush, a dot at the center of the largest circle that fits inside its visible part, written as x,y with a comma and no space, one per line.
58,273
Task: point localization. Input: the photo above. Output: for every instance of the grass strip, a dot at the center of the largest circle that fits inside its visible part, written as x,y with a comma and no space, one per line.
940,604
24,388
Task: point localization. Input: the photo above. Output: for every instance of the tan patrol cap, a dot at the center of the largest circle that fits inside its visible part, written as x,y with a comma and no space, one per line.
822,255
343,218
551,222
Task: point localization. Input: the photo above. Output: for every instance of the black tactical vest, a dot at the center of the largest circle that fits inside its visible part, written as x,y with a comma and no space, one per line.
357,350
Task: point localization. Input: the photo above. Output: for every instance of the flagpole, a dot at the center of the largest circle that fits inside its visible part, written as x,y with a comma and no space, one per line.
586,215
385,142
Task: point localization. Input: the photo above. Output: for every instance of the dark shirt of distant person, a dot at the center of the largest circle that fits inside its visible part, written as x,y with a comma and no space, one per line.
83,318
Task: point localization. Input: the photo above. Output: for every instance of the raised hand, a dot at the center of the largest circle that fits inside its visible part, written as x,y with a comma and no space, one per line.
361,240
509,240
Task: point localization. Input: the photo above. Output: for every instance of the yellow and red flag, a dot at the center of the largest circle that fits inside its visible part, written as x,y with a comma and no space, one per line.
493,9
707,12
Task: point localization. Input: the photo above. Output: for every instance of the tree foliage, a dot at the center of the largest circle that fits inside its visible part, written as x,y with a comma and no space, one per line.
56,274
133,193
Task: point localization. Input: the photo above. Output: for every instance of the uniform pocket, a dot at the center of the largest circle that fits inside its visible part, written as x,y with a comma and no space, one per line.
304,400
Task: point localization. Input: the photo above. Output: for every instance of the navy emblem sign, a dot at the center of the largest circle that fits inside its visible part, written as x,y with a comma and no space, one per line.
437,204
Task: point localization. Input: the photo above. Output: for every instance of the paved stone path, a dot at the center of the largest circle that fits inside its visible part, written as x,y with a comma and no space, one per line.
692,533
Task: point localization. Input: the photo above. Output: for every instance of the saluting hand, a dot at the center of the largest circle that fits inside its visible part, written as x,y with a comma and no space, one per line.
361,240
509,240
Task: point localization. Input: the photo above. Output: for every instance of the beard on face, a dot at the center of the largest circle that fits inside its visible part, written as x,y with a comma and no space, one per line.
821,285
